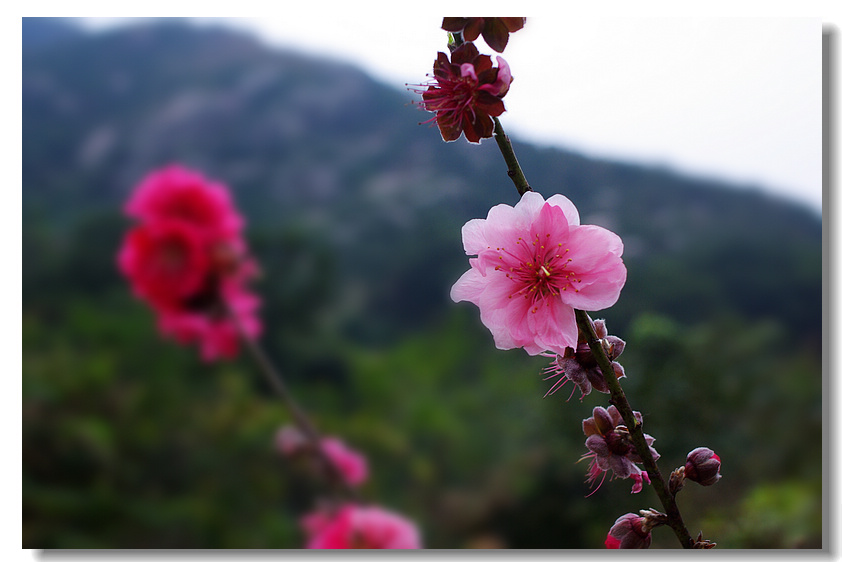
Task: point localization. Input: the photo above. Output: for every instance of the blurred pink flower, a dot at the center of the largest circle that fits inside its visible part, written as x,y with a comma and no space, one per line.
214,331
466,93
535,263
180,193
290,441
363,527
165,261
351,464
187,260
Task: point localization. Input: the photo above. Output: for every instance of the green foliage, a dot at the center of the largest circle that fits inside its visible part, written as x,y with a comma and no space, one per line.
785,514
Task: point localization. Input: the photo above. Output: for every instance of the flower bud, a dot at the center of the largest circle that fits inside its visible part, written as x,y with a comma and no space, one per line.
629,531
702,466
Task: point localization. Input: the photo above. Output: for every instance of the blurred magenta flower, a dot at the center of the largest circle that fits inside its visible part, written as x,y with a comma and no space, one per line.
495,31
703,466
187,260
610,448
466,92
363,527
176,192
352,465
535,263
629,531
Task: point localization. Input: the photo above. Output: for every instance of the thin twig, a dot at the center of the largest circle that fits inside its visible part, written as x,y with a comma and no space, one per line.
515,172
300,418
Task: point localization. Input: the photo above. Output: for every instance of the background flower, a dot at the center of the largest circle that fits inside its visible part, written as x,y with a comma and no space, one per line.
186,258
354,526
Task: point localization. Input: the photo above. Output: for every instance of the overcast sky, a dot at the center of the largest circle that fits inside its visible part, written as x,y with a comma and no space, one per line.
737,99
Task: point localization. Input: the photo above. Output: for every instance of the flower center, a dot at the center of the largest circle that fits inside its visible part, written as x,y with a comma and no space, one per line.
451,98
541,271
172,257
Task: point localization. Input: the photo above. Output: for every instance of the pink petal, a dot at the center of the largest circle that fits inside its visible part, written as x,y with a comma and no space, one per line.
469,287
473,236
598,292
570,210
527,208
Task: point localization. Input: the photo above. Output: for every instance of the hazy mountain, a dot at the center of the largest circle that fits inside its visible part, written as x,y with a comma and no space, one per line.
317,147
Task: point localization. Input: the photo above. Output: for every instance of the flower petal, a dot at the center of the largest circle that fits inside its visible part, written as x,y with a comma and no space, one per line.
469,287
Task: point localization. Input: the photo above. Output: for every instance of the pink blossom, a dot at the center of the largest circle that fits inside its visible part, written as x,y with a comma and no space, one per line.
535,264
187,260
364,527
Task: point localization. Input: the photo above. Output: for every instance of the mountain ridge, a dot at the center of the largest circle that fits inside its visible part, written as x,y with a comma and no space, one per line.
321,147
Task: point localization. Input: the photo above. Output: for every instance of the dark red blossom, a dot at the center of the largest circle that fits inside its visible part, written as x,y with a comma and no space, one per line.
466,92
495,31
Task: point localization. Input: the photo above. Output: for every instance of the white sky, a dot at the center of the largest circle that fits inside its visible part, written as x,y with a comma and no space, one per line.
737,99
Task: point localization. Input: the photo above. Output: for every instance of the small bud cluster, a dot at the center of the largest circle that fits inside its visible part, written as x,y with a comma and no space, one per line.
579,365
610,447
631,531
609,443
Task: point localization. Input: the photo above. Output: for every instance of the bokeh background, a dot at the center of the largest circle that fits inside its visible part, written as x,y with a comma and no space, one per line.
354,215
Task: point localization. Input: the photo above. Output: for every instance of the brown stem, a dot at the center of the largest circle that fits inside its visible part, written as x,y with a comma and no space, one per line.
515,172
618,399
300,418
